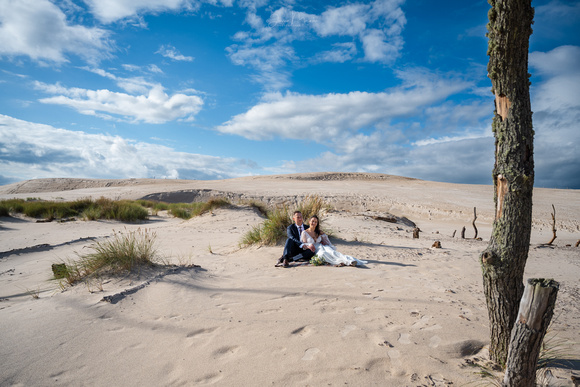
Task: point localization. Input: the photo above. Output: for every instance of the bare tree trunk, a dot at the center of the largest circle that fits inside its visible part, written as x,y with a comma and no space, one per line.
534,316
504,259
553,226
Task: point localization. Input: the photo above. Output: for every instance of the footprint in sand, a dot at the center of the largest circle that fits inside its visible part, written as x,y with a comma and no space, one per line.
404,338
394,354
310,353
434,341
200,333
302,331
347,329
227,351
359,310
290,295
208,379
269,311
421,323
216,296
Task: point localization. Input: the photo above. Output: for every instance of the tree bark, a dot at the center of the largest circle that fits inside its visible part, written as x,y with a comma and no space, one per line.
504,259
534,316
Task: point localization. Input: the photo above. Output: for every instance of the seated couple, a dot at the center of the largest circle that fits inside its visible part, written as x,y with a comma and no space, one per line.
305,241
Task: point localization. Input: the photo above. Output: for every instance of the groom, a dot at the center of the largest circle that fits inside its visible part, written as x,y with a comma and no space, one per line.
294,250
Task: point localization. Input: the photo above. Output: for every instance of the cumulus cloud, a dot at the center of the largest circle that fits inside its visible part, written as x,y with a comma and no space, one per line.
556,106
171,52
269,46
109,11
330,116
455,142
155,107
340,53
40,30
30,150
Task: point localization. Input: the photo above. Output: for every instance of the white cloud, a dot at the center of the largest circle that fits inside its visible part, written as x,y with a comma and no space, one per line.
323,118
378,49
171,52
155,107
269,47
465,136
40,30
455,142
556,106
30,150
268,60
348,20
340,53
109,11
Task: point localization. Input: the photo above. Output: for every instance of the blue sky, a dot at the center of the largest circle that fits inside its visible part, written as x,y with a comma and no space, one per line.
224,88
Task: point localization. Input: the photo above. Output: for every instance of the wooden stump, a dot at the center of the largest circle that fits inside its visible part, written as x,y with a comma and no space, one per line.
416,233
534,316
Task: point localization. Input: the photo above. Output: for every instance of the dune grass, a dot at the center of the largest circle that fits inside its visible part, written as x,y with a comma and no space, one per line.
123,253
190,210
88,209
103,208
273,230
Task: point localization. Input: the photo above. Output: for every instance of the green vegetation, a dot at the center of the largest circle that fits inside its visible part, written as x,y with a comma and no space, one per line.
103,208
189,210
123,253
273,230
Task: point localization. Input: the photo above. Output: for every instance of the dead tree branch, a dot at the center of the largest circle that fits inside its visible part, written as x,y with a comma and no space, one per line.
473,223
553,226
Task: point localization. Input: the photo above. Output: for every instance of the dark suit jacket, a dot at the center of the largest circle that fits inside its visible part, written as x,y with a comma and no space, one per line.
293,234
292,248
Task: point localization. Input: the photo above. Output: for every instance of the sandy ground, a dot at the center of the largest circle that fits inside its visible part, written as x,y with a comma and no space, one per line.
413,316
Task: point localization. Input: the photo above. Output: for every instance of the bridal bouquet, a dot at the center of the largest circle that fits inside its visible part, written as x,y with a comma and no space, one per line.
317,261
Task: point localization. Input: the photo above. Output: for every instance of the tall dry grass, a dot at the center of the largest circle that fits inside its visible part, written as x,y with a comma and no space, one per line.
273,230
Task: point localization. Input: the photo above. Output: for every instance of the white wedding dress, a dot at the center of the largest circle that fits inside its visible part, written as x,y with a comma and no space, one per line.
326,250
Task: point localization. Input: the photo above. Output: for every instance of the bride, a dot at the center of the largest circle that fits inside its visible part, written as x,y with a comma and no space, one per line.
314,236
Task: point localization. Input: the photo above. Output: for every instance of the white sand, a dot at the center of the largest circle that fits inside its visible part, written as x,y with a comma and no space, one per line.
236,320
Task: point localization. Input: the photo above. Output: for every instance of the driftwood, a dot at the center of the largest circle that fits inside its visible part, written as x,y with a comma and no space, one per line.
463,233
578,243
553,226
455,231
416,232
436,244
534,316
473,223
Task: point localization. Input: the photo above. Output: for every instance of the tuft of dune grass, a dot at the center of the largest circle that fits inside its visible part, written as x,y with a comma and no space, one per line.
190,210
122,253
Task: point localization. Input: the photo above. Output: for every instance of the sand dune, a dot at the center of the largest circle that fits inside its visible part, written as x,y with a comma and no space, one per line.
414,316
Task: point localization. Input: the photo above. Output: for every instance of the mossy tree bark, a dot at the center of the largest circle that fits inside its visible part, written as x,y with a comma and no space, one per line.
504,260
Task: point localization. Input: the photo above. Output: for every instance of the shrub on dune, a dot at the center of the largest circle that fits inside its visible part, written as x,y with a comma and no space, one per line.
122,253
